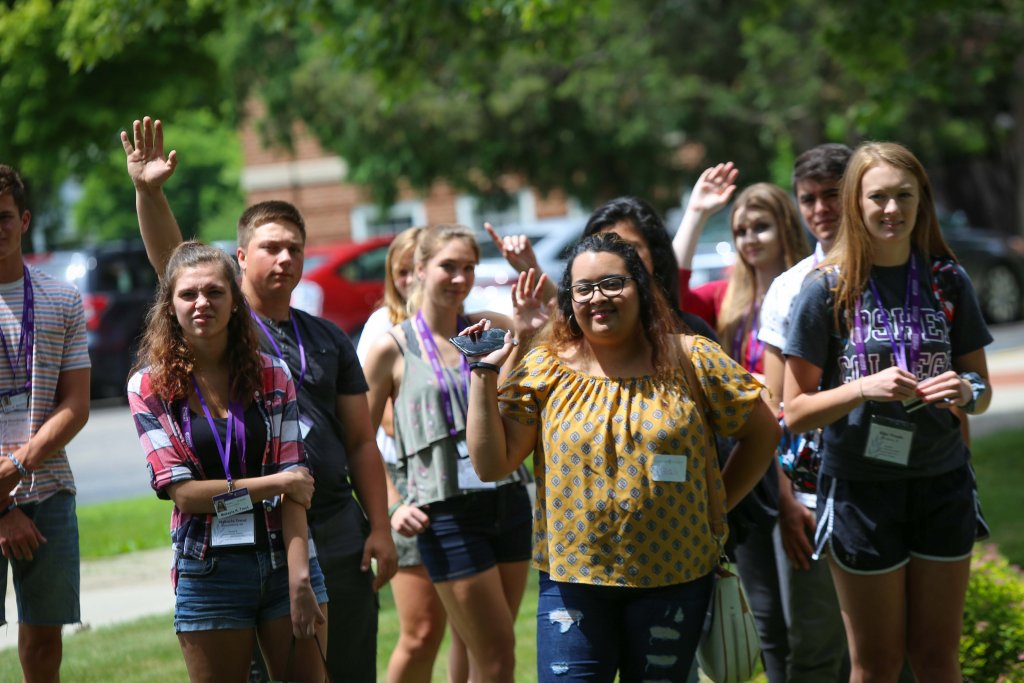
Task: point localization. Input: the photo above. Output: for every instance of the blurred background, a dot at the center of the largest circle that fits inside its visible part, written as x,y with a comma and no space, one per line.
373,117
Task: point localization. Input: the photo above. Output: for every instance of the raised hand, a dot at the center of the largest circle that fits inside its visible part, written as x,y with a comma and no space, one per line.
714,188
148,168
516,249
530,308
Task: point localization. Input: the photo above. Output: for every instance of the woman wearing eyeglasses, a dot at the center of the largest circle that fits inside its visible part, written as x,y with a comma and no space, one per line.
623,538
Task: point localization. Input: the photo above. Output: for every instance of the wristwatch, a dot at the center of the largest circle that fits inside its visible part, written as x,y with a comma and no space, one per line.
978,387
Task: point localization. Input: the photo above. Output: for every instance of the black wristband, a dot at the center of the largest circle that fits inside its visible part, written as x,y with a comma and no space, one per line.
481,365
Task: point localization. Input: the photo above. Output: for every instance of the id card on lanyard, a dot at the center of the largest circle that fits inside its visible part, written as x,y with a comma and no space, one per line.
15,422
305,424
890,439
468,478
234,522
751,356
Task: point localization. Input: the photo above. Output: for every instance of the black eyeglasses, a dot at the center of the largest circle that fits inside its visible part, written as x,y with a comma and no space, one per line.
610,286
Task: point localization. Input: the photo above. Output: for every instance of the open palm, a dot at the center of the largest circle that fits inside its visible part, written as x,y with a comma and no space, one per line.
147,165
529,304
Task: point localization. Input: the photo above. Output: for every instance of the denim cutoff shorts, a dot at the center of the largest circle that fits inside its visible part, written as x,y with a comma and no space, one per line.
235,590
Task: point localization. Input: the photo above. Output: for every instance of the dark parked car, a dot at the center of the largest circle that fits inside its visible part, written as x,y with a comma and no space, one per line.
343,281
117,286
995,263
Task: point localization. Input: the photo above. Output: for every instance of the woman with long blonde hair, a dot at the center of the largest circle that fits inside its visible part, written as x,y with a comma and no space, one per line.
886,337
421,616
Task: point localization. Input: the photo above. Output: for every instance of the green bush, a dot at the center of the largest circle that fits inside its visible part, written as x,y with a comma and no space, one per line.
992,646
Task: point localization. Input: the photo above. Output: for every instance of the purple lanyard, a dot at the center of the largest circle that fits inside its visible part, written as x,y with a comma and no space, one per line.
755,347
433,355
235,424
912,318
28,319
277,349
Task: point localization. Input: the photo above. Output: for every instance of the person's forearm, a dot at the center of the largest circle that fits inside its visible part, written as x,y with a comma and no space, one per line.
371,484
67,419
485,432
684,244
196,496
751,456
804,412
157,225
296,541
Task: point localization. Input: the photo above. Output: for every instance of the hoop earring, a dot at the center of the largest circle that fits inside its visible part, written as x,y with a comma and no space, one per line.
574,327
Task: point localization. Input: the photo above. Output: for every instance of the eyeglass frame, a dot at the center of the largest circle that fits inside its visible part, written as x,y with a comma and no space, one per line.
594,286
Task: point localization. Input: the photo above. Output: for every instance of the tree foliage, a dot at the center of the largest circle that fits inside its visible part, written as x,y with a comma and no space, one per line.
599,98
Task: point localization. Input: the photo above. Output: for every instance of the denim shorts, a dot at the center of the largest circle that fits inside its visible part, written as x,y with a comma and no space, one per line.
471,533
874,527
235,590
47,587
587,632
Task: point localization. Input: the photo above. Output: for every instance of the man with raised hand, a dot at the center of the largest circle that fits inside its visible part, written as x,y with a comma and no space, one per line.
817,641
339,439
44,402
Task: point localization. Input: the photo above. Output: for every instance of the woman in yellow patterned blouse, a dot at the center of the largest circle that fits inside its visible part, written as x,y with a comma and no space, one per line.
623,539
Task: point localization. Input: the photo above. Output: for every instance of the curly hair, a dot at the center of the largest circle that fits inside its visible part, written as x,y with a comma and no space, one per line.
11,182
656,317
170,356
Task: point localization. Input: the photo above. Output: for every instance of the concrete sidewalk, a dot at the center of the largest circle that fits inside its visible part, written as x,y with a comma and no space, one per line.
138,584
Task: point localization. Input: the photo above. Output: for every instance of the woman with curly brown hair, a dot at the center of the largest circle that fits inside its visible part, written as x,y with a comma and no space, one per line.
218,422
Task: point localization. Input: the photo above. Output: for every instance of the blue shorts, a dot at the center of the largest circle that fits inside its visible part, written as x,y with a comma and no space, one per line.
471,533
47,587
235,590
874,527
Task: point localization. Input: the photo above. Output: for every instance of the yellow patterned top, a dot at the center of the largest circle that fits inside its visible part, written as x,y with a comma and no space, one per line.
601,517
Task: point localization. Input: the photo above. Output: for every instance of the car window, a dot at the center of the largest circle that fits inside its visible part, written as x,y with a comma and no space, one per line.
367,267
123,273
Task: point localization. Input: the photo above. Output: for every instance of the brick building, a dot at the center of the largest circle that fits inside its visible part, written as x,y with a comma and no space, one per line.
335,209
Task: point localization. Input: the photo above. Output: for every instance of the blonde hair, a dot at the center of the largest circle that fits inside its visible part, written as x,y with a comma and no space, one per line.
432,239
403,245
738,303
853,251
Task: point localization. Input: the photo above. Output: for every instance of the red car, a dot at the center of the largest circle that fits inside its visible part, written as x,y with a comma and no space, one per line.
343,281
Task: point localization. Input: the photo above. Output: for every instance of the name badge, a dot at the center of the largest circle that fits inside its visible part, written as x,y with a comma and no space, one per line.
15,426
232,503
669,468
889,440
468,478
236,530
305,424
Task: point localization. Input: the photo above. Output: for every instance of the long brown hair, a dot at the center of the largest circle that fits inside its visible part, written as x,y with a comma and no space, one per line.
400,247
853,251
164,347
738,303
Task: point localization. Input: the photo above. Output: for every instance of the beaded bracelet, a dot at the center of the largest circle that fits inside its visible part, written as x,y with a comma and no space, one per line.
17,464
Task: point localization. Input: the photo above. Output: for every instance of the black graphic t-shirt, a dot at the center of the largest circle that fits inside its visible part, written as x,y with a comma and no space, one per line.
937,445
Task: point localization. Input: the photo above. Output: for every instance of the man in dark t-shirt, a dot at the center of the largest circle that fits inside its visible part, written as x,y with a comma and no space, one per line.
338,437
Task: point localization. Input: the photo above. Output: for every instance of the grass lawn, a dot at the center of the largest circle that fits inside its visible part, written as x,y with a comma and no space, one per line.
147,651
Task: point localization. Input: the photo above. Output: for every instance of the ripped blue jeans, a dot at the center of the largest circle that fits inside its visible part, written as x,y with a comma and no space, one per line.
590,633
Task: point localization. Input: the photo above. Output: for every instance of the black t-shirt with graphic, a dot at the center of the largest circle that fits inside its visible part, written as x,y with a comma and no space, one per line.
937,445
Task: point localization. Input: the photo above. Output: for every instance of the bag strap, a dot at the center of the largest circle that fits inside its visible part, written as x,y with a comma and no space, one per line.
716,511
291,660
